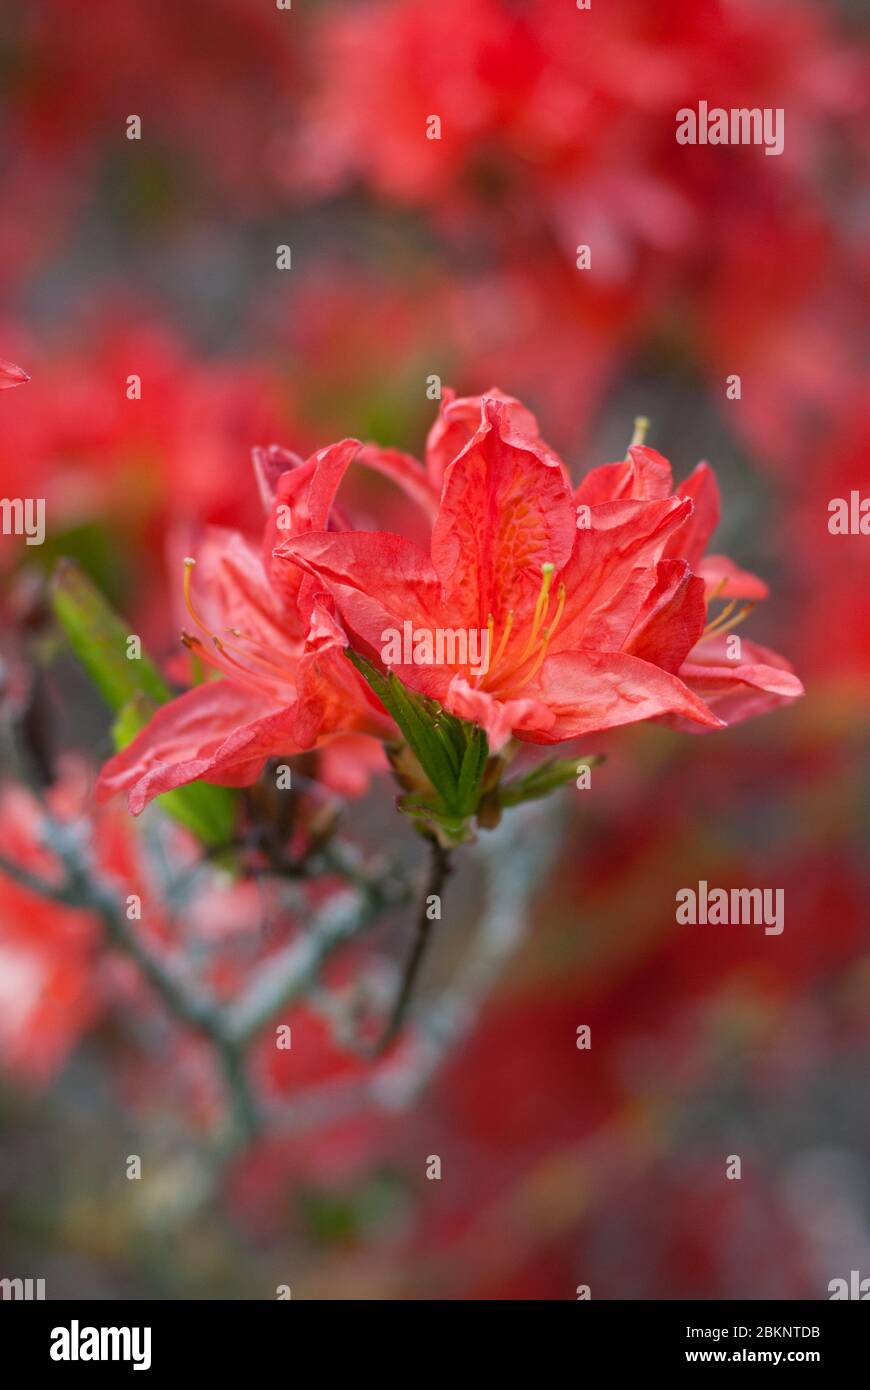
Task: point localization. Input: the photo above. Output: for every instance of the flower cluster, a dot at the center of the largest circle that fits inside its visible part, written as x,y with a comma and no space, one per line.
597,603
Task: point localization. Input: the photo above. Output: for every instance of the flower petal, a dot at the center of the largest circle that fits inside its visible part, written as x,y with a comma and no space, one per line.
759,681
217,732
593,690
404,470
458,419
690,542
601,604
269,464
728,581
506,510
645,475
231,590
500,719
378,580
331,694
303,500
672,619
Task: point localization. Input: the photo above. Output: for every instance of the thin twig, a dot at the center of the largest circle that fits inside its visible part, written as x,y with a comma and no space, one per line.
439,868
182,997
283,978
515,859
54,892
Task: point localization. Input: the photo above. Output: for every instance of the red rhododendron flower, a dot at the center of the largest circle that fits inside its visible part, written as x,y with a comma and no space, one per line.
591,602
286,685
592,605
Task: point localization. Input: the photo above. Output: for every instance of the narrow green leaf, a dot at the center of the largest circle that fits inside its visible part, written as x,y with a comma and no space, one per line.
99,638
473,764
416,725
545,778
134,688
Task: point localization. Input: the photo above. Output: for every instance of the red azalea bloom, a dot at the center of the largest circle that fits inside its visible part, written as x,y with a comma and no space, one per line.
287,686
588,602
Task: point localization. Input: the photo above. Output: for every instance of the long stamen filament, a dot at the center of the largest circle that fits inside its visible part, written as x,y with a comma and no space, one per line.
560,608
503,640
547,571
539,659
189,565
732,622
217,659
255,654
228,663
714,625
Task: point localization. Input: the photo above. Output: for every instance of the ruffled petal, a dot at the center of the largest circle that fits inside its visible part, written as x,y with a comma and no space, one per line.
589,691
458,419
303,500
753,683
690,542
500,719
645,476
506,510
621,537
378,580
726,580
216,732
672,618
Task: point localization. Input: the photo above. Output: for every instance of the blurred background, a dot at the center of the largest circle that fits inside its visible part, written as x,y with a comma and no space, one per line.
305,128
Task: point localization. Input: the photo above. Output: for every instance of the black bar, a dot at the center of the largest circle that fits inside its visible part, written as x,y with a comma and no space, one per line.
253,1337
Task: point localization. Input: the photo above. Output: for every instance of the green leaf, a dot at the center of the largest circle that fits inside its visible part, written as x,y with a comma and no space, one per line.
473,764
416,724
545,778
134,688
98,636
207,811
452,752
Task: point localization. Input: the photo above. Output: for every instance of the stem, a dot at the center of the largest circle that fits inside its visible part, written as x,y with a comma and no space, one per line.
280,981
57,893
439,868
514,860
285,977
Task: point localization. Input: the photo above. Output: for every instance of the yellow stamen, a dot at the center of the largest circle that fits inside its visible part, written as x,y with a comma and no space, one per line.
716,631
218,661
539,659
486,655
255,654
503,640
189,564
720,618
560,608
547,571
225,649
